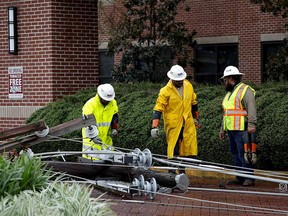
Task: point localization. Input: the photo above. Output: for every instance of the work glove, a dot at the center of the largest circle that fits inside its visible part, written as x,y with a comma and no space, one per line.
195,114
254,158
197,124
154,132
114,132
250,158
28,152
247,157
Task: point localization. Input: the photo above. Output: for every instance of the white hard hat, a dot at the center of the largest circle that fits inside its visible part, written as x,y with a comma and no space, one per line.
177,73
231,71
106,92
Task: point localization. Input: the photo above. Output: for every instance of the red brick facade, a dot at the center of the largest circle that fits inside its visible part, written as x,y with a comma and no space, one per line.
241,19
225,21
58,51
58,44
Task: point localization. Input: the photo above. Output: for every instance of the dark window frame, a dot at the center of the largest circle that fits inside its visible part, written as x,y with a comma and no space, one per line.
218,73
104,75
265,57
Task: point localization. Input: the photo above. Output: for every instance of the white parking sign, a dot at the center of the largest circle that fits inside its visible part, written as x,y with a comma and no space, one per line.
15,82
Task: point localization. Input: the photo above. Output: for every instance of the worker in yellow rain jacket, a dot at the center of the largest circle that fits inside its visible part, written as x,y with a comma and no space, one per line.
104,107
178,103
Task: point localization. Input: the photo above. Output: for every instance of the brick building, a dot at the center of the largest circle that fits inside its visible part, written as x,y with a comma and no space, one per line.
60,47
57,54
228,32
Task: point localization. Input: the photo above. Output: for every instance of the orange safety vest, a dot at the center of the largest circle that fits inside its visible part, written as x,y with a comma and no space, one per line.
233,111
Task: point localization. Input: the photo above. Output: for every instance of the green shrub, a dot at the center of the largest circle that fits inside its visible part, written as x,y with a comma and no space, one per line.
136,102
272,104
22,174
56,199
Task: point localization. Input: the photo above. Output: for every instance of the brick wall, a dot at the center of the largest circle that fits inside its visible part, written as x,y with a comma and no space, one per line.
58,50
242,19
109,15
75,45
58,45
218,18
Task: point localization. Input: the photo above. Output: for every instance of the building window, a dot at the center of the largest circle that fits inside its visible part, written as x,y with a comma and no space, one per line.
211,61
144,66
106,66
269,49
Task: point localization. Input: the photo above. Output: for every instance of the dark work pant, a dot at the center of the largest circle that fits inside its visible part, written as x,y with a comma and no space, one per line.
177,146
237,150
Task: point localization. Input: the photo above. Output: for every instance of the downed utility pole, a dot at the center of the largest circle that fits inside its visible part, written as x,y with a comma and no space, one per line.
25,129
46,133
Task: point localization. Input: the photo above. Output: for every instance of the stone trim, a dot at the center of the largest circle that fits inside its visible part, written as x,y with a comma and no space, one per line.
273,37
17,112
217,40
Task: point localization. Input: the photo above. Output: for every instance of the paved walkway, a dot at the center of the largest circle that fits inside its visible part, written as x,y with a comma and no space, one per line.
199,202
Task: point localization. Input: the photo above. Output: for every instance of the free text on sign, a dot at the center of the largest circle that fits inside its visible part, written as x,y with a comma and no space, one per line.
15,82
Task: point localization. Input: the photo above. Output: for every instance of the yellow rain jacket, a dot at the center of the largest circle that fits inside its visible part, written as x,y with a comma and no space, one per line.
177,112
103,116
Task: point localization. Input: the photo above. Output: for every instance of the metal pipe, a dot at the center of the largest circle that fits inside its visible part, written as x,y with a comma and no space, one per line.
263,172
58,153
227,172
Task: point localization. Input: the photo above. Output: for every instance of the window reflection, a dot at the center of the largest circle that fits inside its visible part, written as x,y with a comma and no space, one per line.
211,61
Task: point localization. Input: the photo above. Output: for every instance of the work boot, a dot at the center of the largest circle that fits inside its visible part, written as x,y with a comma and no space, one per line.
248,182
234,182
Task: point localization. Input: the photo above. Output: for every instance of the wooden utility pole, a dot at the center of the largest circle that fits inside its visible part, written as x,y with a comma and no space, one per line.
53,132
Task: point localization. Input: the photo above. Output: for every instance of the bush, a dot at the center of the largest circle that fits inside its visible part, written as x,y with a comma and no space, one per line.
272,104
56,199
22,174
136,102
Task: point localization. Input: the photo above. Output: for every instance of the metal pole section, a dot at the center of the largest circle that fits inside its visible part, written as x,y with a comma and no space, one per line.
225,166
224,171
58,153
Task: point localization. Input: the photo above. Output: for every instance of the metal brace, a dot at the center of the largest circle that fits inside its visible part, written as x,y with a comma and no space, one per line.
138,186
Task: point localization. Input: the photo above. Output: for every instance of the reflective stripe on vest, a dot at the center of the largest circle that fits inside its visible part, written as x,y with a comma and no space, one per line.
235,112
233,116
103,124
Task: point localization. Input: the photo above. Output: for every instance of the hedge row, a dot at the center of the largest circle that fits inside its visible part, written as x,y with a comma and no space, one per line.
136,102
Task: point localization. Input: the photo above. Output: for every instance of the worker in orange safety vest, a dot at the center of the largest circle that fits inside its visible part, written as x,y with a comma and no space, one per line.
239,121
